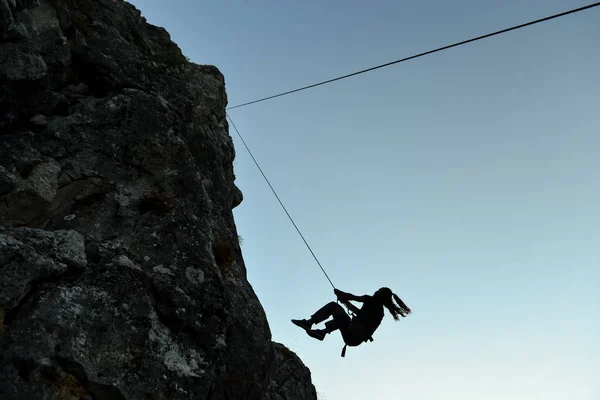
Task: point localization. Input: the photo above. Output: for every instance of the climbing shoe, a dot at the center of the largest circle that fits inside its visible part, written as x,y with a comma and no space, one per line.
302,323
318,334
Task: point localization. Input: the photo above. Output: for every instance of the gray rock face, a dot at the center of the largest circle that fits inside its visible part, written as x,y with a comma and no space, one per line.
121,276
32,255
288,377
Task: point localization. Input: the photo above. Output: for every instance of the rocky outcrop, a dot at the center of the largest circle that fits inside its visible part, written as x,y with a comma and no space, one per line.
288,377
121,275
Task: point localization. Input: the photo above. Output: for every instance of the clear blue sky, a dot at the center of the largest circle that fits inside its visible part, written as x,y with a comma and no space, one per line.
468,181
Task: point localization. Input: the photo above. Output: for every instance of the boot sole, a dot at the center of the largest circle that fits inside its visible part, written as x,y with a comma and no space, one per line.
315,335
301,325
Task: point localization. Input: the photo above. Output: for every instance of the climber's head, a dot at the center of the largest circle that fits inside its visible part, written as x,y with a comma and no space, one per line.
385,296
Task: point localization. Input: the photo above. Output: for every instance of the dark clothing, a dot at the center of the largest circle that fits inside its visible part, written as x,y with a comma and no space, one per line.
370,316
356,330
352,331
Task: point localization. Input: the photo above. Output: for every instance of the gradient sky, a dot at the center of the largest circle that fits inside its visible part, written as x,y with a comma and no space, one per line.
468,181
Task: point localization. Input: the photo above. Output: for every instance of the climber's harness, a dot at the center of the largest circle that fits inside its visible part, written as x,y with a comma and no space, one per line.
352,316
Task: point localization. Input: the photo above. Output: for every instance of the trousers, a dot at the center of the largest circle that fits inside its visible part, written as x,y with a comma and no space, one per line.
352,331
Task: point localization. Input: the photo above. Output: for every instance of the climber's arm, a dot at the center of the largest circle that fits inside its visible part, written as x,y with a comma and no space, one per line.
344,297
350,306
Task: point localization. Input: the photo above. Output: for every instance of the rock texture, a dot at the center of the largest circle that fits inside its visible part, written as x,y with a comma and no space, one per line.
121,276
287,379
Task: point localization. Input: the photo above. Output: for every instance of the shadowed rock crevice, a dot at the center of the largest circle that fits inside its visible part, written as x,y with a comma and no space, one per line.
121,275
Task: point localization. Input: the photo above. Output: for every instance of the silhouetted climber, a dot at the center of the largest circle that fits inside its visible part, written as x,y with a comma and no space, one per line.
366,320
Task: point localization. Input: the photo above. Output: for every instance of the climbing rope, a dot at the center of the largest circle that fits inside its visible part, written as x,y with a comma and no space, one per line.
562,14
348,310
280,202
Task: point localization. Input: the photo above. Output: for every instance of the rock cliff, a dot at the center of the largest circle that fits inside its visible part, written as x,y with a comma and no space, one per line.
121,275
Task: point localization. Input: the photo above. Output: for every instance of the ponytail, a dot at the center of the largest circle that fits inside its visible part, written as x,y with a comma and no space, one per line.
403,308
396,309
